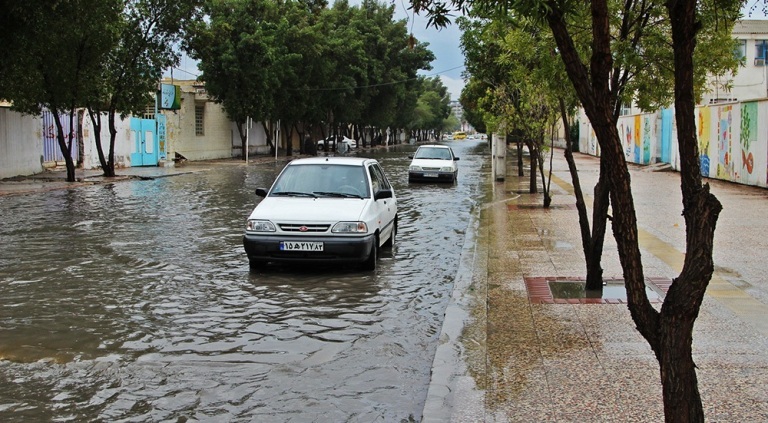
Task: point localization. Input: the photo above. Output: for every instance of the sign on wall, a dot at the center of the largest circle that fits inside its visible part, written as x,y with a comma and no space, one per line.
170,97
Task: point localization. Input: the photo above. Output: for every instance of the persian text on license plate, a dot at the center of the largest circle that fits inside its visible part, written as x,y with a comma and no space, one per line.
430,175
301,246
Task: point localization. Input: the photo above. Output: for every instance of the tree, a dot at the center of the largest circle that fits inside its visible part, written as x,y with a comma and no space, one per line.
55,53
147,32
594,77
236,49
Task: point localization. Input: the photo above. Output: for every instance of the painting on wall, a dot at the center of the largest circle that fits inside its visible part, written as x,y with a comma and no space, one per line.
724,141
647,131
747,140
626,132
704,126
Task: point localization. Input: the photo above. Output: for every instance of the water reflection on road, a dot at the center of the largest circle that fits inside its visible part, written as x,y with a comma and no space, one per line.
133,301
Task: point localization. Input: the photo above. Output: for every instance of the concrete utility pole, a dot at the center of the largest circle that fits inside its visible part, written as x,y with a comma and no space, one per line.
499,149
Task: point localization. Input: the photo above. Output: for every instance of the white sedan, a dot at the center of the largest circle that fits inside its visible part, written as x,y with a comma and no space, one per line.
433,163
323,210
342,144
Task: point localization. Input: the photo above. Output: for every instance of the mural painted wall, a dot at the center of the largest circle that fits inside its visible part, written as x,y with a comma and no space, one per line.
733,140
639,135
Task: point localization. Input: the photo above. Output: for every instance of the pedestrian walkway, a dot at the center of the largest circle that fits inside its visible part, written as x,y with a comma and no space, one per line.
509,356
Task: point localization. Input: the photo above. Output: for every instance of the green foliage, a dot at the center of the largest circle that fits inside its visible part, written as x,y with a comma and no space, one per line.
54,52
303,62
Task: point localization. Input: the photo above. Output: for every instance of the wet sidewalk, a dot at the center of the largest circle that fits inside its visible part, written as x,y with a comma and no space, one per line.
512,352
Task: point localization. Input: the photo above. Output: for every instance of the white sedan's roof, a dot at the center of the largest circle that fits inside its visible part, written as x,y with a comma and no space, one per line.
350,161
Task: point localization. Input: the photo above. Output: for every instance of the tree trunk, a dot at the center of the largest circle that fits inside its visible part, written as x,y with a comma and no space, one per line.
96,122
268,134
540,162
682,402
243,138
591,247
520,172
600,205
66,150
112,138
534,158
288,131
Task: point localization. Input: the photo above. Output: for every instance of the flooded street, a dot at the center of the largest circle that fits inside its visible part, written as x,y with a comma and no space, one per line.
133,301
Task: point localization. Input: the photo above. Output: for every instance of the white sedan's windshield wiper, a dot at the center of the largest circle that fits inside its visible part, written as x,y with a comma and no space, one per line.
295,194
337,194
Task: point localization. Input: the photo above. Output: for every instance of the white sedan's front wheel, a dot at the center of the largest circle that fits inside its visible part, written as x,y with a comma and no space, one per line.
370,263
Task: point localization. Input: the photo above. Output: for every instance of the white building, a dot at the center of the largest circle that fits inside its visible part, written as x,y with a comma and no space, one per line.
751,80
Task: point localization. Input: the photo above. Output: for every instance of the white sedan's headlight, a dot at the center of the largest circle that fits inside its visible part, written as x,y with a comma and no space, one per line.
415,168
350,228
446,169
260,226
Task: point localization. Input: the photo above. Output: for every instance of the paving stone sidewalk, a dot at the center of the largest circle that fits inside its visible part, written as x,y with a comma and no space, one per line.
507,357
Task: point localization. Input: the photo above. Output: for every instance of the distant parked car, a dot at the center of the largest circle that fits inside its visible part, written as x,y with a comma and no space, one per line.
323,210
328,143
433,163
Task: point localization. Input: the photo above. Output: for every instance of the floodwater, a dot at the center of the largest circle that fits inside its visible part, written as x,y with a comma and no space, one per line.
133,301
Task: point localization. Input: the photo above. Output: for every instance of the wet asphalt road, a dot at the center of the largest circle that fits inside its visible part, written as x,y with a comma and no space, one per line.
133,301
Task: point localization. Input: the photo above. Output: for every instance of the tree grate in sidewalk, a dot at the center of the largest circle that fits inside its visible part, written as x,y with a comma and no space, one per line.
570,290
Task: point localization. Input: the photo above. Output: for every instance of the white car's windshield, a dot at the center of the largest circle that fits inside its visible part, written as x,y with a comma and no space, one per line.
433,153
322,180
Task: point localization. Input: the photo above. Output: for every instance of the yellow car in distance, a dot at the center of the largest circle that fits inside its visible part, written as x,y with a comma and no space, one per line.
459,135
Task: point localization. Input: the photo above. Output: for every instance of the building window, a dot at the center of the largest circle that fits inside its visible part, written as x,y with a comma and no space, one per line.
761,46
626,109
149,112
741,50
199,114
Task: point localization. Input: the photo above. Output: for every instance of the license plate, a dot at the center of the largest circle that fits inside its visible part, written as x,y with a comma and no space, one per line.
301,246
430,175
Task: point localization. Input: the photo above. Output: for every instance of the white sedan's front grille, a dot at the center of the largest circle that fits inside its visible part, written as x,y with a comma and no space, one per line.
311,228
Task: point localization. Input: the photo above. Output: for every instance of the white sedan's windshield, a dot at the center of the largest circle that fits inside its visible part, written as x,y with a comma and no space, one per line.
433,153
322,180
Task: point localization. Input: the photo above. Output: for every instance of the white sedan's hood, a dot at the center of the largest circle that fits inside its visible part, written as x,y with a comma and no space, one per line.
304,210
432,163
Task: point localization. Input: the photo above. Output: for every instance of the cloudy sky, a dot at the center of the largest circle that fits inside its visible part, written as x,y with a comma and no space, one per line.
444,43
448,63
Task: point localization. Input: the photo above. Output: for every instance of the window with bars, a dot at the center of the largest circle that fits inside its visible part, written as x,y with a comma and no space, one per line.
149,112
199,119
741,50
761,46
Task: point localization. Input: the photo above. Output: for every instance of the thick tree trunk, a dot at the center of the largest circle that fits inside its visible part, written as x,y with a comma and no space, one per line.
268,134
112,138
96,122
592,88
243,139
682,402
65,149
599,226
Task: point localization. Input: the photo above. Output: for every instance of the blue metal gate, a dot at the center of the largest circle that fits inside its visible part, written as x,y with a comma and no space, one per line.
146,148
51,150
